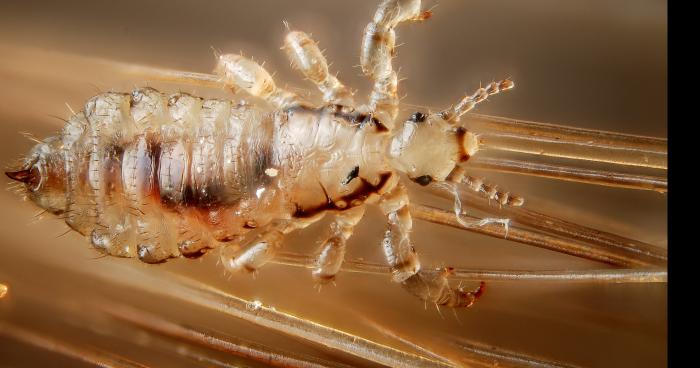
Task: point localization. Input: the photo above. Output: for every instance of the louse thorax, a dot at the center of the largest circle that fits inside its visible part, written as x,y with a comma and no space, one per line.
427,148
43,175
331,158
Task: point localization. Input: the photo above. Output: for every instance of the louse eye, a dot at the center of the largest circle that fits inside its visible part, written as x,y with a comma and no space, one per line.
423,180
418,117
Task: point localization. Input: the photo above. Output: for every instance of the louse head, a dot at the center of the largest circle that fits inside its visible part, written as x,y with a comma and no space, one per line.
427,148
42,173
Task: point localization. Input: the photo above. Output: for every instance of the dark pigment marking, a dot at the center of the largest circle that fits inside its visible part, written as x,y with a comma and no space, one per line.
461,135
207,196
154,152
31,176
326,278
360,119
194,255
364,191
377,37
418,117
355,172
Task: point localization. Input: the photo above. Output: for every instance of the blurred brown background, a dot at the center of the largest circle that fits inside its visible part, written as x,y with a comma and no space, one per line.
594,64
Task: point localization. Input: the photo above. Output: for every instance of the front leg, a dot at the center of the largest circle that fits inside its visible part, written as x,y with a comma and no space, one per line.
428,285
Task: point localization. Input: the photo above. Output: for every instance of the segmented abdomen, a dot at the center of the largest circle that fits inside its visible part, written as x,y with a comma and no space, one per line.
157,176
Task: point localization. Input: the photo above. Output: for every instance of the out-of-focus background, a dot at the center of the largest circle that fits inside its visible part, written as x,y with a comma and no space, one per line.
593,64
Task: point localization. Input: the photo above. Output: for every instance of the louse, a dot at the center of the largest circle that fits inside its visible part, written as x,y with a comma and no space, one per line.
155,177
633,303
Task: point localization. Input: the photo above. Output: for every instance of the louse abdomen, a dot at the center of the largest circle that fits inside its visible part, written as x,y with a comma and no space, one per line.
151,176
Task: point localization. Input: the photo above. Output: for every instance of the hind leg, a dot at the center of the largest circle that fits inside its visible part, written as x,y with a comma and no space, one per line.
239,72
428,285
305,56
260,247
255,251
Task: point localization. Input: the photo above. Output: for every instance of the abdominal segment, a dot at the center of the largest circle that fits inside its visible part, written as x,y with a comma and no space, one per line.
154,177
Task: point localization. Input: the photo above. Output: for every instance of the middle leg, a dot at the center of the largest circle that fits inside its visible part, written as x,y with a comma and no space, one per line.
428,285
331,254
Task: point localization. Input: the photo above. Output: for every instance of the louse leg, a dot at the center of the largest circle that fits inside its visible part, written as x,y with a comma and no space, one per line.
306,57
468,103
490,191
255,251
260,247
331,254
428,285
378,50
239,72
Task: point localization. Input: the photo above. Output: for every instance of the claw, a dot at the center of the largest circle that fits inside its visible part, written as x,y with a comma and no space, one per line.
479,291
432,286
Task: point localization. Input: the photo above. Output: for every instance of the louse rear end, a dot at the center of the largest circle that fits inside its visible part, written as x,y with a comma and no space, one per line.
158,176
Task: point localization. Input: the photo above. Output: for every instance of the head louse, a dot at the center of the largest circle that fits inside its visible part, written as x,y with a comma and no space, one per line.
157,176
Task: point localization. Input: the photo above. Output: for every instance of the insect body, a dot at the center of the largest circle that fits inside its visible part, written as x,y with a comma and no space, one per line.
154,176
